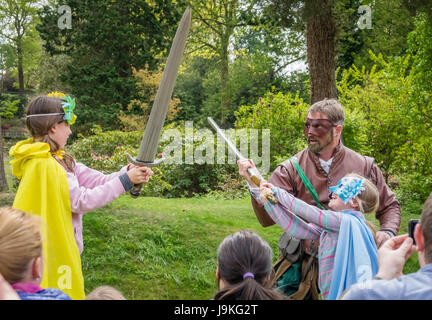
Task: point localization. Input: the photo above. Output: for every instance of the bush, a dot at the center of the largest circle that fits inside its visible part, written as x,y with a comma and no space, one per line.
106,151
392,124
284,115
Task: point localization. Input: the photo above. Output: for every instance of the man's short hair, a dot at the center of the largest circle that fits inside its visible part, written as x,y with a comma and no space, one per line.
426,226
331,108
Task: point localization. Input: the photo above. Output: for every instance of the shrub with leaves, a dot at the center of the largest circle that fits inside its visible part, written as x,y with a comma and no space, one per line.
393,121
106,151
284,115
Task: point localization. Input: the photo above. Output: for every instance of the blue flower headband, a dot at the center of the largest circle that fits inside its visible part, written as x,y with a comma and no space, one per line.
68,105
348,188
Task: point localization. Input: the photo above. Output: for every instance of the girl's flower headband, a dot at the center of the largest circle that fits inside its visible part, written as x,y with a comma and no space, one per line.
68,105
348,188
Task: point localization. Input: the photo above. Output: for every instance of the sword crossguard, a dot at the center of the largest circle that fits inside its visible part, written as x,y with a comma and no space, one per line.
144,163
136,189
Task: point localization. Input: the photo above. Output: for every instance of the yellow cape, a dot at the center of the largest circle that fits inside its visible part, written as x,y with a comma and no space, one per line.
44,191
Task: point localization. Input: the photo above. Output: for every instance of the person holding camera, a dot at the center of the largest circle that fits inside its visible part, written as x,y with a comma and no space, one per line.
389,282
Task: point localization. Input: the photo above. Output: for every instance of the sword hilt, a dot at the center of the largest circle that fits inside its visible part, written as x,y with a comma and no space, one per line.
257,178
136,189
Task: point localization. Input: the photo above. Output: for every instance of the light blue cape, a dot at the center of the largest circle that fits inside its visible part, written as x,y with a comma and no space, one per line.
356,255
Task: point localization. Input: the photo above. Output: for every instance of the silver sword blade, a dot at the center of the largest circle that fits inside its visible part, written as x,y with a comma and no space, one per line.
255,175
150,141
253,172
224,137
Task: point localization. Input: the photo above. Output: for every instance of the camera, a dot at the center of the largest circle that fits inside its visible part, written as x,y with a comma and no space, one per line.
411,227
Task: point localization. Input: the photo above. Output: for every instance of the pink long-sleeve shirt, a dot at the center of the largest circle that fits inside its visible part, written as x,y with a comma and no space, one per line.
89,190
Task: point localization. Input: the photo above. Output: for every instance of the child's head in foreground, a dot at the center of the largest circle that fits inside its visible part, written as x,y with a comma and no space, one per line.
105,293
244,268
20,246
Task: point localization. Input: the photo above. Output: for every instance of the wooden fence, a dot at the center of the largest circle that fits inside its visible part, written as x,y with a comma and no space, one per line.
14,134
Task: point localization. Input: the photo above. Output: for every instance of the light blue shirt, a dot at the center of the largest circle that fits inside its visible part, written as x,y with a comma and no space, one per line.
413,286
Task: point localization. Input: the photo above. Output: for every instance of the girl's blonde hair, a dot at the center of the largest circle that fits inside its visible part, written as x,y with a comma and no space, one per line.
20,243
368,199
40,126
105,293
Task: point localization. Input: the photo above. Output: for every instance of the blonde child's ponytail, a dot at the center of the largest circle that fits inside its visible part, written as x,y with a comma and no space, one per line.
368,199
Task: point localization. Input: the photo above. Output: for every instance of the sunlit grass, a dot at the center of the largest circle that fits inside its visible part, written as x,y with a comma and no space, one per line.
154,248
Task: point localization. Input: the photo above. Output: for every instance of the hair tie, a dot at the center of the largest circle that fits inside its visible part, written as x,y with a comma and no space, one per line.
248,274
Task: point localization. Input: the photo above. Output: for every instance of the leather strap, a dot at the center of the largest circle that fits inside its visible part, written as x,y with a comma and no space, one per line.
306,182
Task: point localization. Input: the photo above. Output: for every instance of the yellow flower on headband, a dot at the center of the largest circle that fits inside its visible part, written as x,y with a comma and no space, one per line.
56,94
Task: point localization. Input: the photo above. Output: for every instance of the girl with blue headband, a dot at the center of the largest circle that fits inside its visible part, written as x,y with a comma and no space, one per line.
60,190
347,253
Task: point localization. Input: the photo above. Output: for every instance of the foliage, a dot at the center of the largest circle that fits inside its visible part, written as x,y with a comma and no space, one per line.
154,248
190,88
380,95
7,59
107,40
391,23
17,25
106,151
138,110
394,99
103,143
49,73
222,30
284,115
8,106
397,139
251,76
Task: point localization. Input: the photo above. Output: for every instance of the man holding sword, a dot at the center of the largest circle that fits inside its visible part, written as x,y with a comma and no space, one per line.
309,174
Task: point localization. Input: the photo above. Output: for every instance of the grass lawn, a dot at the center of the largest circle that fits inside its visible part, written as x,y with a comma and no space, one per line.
154,248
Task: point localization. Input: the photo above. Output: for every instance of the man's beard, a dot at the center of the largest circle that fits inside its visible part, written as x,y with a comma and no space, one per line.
318,147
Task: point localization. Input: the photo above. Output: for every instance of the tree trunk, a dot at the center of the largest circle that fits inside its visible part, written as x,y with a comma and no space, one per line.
225,89
20,67
3,181
320,40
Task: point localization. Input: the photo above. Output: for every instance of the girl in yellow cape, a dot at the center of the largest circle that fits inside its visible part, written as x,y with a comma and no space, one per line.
46,190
